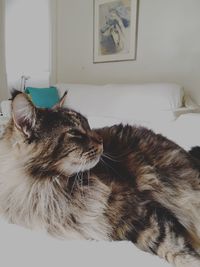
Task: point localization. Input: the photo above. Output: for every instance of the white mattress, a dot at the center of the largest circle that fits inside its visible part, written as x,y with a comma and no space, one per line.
22,247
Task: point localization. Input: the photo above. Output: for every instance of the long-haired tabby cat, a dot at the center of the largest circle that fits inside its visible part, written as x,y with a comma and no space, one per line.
114,183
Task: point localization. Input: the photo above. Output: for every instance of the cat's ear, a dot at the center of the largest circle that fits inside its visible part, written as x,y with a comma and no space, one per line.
61,101
23,113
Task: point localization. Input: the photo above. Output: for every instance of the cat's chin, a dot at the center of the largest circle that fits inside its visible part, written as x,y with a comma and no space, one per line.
91,164
73,168
87,166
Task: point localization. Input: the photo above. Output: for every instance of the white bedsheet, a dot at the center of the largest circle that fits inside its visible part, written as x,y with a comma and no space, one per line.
26,248
20,247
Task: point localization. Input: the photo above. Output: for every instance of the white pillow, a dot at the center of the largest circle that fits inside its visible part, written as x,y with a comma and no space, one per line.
156,96
128,101
143,102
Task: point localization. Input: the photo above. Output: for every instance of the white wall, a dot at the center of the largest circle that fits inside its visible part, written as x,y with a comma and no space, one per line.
3,85
168,45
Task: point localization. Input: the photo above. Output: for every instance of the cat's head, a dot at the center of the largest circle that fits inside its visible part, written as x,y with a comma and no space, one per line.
57,139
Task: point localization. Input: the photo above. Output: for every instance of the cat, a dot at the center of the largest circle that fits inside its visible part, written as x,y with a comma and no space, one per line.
114,183
195,152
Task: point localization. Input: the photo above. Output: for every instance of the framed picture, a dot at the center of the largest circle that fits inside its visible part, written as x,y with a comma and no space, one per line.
115,30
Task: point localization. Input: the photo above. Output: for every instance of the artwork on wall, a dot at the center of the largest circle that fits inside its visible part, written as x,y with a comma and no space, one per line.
115,30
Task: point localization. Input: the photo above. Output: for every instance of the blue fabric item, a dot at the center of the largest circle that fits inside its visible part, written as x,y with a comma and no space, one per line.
43,97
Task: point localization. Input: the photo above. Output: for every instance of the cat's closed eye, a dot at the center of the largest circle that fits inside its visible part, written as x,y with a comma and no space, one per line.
76,133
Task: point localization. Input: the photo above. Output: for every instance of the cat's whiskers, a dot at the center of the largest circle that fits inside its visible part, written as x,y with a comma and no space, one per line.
117,157
81,184
88,178
80,181
108,166
57,180
72,189
77,174
105,155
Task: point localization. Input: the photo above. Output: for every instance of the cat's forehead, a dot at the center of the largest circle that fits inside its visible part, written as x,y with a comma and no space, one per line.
62,117
74,117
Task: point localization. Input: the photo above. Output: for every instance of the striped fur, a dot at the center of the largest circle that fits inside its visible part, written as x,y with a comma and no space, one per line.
115,183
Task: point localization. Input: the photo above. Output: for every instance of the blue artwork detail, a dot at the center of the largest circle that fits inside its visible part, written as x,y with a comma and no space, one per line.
116,17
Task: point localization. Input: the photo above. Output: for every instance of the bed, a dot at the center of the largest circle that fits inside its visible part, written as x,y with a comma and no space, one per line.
164,108
152,105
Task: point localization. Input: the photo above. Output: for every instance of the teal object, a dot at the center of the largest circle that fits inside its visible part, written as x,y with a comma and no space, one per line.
43,97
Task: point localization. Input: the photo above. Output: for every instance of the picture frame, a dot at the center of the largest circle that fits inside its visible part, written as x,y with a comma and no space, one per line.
115,30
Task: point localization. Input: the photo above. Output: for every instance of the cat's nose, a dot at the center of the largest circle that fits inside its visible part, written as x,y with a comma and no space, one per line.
96,138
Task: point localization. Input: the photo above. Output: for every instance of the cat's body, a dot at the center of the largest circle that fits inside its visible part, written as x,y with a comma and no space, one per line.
143,188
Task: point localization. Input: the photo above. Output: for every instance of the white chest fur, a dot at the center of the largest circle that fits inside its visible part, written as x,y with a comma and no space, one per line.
38,204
